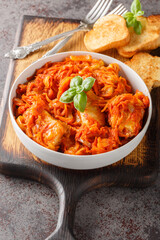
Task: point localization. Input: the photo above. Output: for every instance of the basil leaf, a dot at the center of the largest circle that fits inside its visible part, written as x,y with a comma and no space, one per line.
128,15
80,101
139,13
138,27
76,81
88,83
130,21
79,89
68,95
135,6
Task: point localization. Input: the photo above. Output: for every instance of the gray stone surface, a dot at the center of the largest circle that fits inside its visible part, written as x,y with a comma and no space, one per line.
107,213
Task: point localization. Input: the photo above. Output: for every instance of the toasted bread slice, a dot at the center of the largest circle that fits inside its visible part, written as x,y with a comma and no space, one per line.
147,67
156,72
149,38
154,20
108,32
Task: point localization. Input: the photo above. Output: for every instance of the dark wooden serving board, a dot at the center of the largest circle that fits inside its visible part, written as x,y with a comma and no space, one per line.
139,169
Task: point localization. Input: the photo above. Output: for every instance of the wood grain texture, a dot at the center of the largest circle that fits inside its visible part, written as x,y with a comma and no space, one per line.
139,169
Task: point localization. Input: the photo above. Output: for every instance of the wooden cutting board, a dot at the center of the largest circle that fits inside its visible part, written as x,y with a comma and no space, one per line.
139,169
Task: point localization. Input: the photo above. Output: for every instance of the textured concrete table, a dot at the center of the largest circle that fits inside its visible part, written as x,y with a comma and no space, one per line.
29,210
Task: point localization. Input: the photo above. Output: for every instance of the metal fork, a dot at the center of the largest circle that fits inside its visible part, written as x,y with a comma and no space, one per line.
99,9
119,10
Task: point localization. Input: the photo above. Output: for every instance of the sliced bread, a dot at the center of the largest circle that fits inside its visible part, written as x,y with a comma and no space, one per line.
147,67
149,38
108,32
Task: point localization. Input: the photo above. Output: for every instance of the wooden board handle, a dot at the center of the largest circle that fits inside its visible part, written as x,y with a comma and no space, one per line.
64,229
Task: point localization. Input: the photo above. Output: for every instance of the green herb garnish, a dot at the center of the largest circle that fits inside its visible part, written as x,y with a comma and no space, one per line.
76,92
131,17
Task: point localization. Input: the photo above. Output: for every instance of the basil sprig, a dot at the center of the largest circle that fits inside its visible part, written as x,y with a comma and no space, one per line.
131,17
76,92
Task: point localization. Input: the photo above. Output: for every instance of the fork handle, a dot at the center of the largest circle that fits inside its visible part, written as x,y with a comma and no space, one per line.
58,46
37,45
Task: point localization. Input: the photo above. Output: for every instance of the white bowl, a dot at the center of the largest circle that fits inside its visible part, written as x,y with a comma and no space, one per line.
82,161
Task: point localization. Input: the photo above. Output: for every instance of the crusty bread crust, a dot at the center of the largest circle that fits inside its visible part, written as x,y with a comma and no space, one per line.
149,38
108,32
154,20
147,67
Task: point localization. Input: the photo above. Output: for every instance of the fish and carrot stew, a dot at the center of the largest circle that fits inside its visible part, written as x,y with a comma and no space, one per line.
79,106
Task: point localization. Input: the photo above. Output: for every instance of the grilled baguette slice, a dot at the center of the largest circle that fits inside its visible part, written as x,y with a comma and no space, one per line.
154,20
149,38
108,32
147,67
